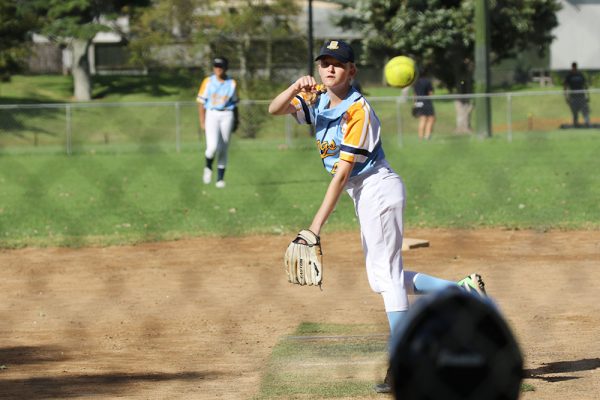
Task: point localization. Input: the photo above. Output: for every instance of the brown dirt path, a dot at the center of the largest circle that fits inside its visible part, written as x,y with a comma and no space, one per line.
197,318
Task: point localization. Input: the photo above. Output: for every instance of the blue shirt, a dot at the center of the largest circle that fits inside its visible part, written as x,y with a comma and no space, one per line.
351,131
216,94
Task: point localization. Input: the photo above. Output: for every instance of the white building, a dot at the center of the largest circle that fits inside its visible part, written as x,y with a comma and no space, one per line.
576,36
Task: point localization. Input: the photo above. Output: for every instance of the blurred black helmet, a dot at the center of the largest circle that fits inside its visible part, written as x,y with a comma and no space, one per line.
220,62
455,345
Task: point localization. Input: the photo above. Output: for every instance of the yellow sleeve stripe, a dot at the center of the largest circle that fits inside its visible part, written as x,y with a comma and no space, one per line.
357,125
201,98
296,103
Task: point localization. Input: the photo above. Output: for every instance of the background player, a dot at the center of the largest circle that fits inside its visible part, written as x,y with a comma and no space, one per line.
348,137
578,102
423,108
217,101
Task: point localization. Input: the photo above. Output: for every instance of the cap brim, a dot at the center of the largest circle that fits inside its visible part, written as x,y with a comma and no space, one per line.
336,56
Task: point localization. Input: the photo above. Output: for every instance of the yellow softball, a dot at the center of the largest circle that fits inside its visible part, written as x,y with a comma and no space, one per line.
400,71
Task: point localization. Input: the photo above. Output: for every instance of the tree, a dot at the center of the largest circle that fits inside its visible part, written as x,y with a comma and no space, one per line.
248,32
206,27
440,34
239,29
75,23
167,26
244,31
15,26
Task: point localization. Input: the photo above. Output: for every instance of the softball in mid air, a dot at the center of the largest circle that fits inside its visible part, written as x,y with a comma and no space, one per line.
400,71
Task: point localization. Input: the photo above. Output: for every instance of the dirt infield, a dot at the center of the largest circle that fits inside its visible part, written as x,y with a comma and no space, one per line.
197,319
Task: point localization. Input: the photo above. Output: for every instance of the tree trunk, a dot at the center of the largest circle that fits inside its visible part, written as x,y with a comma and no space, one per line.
463,110
81,70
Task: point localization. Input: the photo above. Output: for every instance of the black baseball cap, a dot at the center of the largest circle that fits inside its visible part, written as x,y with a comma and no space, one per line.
337,49
220,62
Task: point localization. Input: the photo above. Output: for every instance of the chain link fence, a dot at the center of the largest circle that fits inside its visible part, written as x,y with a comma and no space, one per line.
174,126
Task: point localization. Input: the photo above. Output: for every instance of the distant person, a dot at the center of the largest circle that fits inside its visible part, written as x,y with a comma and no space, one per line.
423,108
217,101
578,102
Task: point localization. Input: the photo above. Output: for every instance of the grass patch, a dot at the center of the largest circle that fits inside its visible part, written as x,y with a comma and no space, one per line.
526,387
312,328
342,363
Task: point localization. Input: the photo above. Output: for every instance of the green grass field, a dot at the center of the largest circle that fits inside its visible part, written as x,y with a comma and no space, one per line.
136,187
538,181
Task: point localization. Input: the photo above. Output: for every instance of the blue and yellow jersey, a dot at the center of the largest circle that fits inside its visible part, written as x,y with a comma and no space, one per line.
216,94
351,131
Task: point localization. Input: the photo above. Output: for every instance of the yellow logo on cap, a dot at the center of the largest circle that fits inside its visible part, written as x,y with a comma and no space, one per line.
333,45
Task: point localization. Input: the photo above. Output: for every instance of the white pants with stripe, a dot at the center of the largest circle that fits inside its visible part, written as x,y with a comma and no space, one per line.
379,199
218,126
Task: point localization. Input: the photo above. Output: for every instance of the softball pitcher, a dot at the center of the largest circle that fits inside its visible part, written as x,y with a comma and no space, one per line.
348,135
217,100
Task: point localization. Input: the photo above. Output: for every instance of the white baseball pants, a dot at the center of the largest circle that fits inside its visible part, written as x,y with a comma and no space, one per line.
379,199
218,126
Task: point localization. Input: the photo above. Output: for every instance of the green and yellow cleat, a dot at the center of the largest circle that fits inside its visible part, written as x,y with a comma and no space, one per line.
473,283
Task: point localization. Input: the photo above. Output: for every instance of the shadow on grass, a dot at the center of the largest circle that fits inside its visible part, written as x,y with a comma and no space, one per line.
154,84
25,124
27,100
586,364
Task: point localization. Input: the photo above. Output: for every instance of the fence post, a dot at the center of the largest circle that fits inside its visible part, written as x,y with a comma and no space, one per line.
399,120
509,117
68,127
177,127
